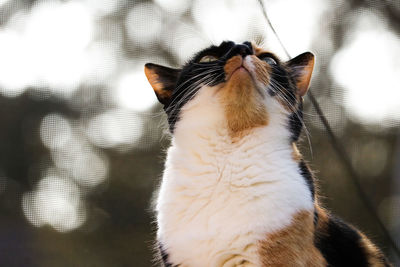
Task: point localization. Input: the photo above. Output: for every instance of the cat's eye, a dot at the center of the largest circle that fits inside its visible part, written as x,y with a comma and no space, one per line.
269,60
208,58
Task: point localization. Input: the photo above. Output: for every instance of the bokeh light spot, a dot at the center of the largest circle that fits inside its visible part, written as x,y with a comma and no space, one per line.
174,6
48,48
55,202
134,91
117,128
55,131
143,23
370,80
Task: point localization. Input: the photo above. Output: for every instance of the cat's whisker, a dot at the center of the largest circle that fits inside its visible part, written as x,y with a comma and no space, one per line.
205,67
194,77
281,95
277,88
176,97
213,63
194,85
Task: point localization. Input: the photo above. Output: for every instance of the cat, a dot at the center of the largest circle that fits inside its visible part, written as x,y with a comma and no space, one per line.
235,190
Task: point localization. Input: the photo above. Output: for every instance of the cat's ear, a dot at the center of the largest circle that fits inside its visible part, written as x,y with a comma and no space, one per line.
301,68
162,79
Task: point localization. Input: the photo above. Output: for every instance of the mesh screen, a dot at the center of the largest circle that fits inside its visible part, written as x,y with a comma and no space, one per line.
82,138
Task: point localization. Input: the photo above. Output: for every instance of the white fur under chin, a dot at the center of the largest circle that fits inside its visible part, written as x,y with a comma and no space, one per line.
217,198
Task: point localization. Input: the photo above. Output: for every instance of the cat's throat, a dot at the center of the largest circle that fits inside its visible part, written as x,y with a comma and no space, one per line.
243,105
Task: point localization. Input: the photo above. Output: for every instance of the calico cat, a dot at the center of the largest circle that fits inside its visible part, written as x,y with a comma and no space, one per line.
235,189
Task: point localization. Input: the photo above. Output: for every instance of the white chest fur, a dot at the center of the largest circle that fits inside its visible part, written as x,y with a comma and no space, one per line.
218,198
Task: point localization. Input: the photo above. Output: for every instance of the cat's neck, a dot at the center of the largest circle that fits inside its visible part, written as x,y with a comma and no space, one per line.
216,154
217,142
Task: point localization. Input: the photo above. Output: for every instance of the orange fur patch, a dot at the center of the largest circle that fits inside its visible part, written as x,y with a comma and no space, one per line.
374,255
258,50
232,65
293,245
304,82
323,217
243,106
296,155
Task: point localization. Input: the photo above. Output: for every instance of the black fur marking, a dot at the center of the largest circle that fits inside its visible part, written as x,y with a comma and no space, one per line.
296,123
217,51
316,217
340,245
164,256
306,173
281,83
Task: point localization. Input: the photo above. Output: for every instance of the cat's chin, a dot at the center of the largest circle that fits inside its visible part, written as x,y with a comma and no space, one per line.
242,72
234,67
241,76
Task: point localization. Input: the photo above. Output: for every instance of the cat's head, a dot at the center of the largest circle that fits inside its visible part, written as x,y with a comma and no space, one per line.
237,86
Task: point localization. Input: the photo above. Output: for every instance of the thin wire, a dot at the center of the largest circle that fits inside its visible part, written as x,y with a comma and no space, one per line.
340,151
263,9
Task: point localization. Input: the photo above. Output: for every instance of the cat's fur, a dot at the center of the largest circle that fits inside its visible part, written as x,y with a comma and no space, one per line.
235,190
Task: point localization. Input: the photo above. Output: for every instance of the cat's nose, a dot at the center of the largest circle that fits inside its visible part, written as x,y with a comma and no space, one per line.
243,50
239,49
